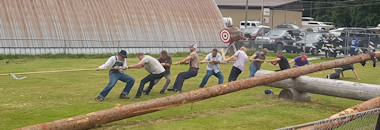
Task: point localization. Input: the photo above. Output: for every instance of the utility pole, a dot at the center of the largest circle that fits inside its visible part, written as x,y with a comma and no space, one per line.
246,13
262,9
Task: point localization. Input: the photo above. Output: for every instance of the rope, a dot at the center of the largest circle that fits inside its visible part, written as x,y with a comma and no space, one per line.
44,72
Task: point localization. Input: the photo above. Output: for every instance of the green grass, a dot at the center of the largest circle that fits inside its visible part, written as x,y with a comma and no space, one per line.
48,97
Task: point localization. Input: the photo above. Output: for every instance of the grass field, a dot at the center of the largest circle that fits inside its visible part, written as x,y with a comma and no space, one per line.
47,97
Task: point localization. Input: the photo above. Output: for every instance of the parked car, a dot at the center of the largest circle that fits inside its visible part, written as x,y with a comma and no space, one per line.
288,26
279,39
250,33
310,43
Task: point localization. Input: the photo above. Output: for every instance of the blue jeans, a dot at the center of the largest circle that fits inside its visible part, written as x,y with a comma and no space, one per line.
253,70
219,75
114,77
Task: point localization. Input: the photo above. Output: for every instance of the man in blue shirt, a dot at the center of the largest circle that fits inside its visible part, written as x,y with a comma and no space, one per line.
213,59
300,61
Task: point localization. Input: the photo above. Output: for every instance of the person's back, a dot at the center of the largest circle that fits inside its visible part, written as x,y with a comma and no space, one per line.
241,59
152,65
283,63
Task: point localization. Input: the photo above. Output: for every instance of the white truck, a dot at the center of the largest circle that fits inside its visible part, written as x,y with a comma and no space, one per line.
251,24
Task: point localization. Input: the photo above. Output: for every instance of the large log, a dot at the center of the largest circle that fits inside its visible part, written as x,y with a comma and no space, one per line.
118,113
331,87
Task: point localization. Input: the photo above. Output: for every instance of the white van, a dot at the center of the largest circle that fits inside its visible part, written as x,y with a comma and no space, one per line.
251,24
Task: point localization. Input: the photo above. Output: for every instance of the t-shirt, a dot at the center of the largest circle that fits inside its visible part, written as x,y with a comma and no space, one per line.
152,65
283,63
242,58
298,62
257,64
347,67
194,59
213,66
168,60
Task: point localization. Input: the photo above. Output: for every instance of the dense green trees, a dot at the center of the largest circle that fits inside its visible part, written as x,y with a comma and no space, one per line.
346,13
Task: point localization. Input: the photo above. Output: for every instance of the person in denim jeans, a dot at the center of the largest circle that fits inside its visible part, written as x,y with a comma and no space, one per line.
213,59
256,60
118,65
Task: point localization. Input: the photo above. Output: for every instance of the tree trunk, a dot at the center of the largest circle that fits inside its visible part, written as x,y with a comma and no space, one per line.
118,113
337,88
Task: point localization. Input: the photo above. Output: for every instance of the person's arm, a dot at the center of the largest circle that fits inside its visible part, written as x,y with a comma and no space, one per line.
218,59
291,61
275,61
356,74
252,57
184,61
232,57
342,74
138,65
206,60
169,62
307,62
108,64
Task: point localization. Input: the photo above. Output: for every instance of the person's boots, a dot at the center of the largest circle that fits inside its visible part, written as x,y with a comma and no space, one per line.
123,96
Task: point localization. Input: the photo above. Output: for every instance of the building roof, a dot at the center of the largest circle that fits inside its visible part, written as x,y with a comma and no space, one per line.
253,3
147,20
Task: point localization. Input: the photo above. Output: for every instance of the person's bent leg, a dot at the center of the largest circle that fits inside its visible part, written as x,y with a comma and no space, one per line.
167,76
142,83
113,78
335,75
152,82
252,70
191,73
220,77
205,78
130,82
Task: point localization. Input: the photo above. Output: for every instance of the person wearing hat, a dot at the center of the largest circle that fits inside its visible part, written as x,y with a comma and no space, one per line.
155,69
117,65
213,59
239,65
281,60
256,60
299,61
192,60
354,45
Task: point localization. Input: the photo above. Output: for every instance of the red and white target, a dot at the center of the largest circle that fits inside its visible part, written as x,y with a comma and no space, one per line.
225,35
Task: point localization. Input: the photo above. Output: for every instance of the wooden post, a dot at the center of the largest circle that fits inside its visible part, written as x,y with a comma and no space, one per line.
118,113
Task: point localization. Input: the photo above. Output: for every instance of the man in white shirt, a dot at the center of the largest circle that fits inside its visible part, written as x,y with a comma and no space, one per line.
213,59
155,69
117,65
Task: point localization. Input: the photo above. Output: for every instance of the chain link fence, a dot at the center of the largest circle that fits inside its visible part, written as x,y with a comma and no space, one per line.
56,46
366,120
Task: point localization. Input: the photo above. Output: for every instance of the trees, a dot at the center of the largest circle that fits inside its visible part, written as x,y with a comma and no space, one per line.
356,13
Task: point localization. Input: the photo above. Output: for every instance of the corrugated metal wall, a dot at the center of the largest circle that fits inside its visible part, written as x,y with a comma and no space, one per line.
106,24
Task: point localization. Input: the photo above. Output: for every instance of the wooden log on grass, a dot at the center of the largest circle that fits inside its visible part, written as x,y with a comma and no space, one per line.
330,87
121,112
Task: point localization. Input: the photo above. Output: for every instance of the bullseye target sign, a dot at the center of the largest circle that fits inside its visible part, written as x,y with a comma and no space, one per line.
225,35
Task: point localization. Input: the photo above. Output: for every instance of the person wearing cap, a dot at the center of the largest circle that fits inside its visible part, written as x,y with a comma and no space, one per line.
213,59
155,69
192,60
299,61
256,60
281,60
239,65
117,65
339,71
